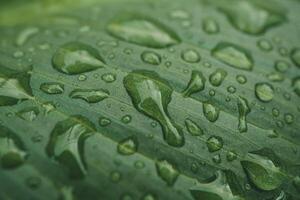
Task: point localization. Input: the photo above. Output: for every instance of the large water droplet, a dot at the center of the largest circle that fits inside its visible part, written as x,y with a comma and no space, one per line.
128,146
52,88
143,31
244,109
150,94
193,128
252,18
12,150
151,57
214,143
233,55
223,186
196,84
166,172
211,112
262,172
264,92
14,86
217,77
90,95
66,143
75,58
295,56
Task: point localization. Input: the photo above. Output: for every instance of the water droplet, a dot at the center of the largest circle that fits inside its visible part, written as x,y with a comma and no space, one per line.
211,112
212,93
28,114
103,121
76,58
151,57
214,143
241,79
296,85
275,77
166,172
168,64
233,55
150,94
190,56
66,143
139,164
89,95
231,156
282,66
128,146
275,112
126,119
264,92
179,14
82,77
108,77
14,86
288,118
295,56
283,51
262,172
115,176
231,89
143,31
193,128
264,45
210,26
48,107
217,159
12,150
244,109
52,88
252,18
217,77
196,84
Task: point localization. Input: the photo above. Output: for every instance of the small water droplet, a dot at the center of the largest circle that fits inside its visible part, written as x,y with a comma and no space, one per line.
103,121
275,112
166,172
82,77
217,77
193,128
231,156
282,66
214,143
128,146
241,79
275,77
126,119
28,114
264,92
217,159
52,88
139,164
190,56
89,95
288,118
179,14
231,89
151,57
210,26
211,112
115,176
264,45
196,84
108,77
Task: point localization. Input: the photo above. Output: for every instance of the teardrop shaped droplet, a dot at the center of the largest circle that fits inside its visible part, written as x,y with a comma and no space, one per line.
166,172
52,88
190,56
264,92
233,55
251,17
196,84
14,86
214,143
150,94
151,57
142,31
244,110
128,146
66,143
210,26
75,58
12,150
217,77
89,95
211,112
193,128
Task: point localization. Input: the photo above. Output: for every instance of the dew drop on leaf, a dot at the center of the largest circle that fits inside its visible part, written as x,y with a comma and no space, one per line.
151,57
89,95
108,77
214,143
217,77
52,88
166,172
244,110
210,112
128,146
28,114
190,56
210,26
193,128
264,92
196,84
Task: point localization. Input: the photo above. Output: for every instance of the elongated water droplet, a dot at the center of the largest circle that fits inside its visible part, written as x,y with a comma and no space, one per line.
262,172
244,109
233,55
296,85
295,56
151,95
190,56
52,88
14,86
214,143
217,77
75,58
66,143
128,146
264,92
264,45
151,57
251,17
223,186
28,114
90,95
196,84
103,121
12,150
166,172
193,128
143,31
210,26
282,66
275,77
108,77
179,14
211,112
